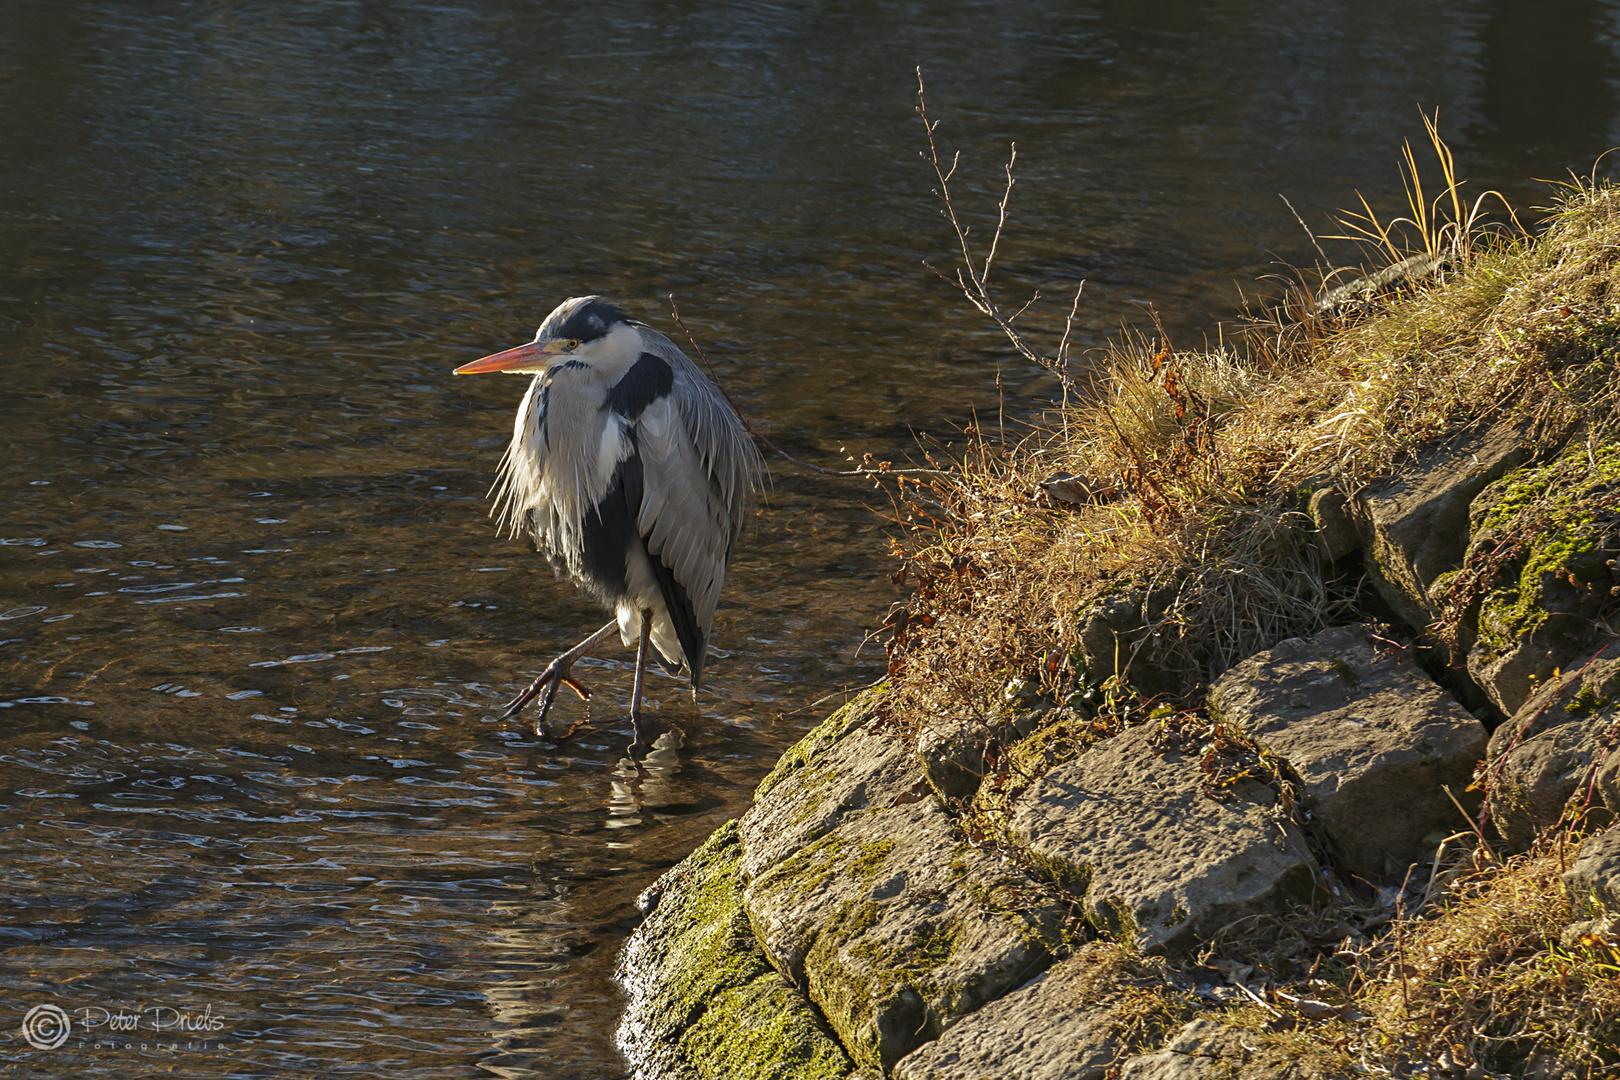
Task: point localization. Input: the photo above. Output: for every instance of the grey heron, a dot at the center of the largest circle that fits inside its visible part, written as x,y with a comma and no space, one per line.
631,473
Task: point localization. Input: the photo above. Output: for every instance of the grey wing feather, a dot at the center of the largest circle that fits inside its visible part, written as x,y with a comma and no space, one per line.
700,469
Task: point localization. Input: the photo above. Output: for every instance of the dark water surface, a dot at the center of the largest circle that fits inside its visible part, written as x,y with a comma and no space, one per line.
252,617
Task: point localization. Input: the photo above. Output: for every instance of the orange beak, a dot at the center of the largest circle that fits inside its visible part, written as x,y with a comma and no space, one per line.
530,357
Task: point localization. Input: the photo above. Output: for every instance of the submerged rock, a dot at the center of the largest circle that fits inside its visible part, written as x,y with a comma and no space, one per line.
694,979
1371,737
1156,860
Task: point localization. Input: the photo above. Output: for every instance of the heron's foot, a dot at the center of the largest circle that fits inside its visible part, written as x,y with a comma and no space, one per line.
557,674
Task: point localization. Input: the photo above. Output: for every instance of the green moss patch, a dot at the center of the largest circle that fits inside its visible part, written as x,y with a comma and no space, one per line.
871,859
854,713
1541,544
696,978
763,1031
807,869
876,991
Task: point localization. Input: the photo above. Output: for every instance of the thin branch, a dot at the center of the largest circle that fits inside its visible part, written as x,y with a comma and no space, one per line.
1063,352
1025,308
1001,221
1068,327
973,278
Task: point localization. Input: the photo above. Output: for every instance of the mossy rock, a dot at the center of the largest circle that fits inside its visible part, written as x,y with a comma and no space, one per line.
875,905
1418,519
857,711
704,1002
1554,757
1062,736
913,930
1543,541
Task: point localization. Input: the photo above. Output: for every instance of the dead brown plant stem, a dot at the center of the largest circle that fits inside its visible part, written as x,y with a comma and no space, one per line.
1400,941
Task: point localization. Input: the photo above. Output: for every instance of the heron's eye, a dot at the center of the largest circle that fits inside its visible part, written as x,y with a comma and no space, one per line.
573,343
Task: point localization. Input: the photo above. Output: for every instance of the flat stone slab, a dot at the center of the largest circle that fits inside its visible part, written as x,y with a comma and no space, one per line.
1203,1049
694,977
1563,744
1044,1030
846,766
863,893
1371,736
1157,861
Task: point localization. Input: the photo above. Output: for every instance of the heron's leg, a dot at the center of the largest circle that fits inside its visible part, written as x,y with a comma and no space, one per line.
556,673
641,670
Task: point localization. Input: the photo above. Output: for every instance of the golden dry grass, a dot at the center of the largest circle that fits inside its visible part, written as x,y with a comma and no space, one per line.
1210,458
1487,980
1476,985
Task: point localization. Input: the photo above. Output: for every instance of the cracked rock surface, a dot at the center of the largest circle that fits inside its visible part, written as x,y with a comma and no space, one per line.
1419,520
846,927
862,891
1364,729
1047,1029
1156,860
693,977
1204,1048
1563,744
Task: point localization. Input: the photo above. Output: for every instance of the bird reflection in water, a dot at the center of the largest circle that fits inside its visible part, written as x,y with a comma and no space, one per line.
644,786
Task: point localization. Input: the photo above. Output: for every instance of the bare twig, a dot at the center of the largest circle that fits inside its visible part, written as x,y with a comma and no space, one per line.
1400,941
1006,196
1063,353
974,278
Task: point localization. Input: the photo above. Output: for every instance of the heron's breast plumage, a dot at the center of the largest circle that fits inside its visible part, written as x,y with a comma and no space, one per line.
565,452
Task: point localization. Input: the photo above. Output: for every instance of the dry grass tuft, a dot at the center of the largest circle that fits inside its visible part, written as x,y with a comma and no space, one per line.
1486,980
1200,466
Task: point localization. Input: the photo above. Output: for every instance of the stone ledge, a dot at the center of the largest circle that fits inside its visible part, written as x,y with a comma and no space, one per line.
1363,731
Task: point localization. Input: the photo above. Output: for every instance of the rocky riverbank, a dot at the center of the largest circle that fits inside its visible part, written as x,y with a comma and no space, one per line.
1089,829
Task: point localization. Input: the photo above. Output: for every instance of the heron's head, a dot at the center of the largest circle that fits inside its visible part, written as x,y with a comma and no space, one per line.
583,328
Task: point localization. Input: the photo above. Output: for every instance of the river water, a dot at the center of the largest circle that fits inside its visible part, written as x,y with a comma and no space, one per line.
257,814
